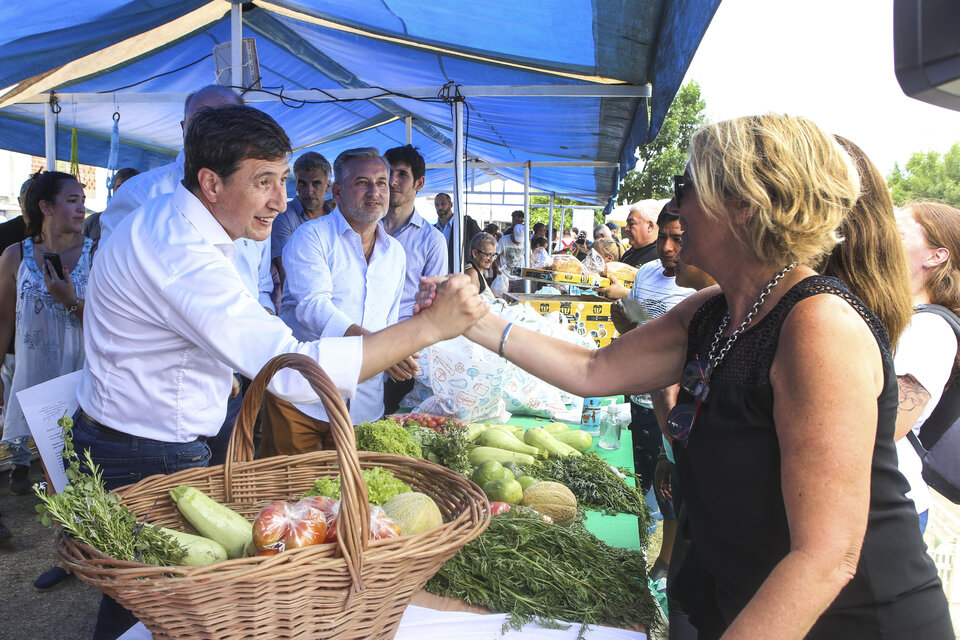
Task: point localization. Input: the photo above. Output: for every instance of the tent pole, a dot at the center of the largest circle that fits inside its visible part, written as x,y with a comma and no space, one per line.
50,136
458,179
236,44
409,121
550,238
526,222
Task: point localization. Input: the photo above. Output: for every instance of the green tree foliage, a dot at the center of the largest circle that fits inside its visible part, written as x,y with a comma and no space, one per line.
540,210
666,155
927,176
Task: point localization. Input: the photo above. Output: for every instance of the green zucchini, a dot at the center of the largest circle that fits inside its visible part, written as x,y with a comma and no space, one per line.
540,438
579,440
198,551
554,428
213,520
480,455
497,438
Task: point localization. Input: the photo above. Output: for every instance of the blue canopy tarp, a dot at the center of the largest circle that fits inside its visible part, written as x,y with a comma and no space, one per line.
119,51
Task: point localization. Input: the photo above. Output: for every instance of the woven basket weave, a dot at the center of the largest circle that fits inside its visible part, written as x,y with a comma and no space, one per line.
350,589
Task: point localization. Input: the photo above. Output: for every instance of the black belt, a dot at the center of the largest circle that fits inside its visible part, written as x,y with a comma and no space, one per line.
105,432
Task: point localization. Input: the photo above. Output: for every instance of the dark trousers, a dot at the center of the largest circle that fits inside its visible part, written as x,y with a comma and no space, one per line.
394,393
218,444
645,433
124,459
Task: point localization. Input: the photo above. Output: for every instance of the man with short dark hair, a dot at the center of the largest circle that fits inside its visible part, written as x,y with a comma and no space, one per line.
312,174
424,246
539,230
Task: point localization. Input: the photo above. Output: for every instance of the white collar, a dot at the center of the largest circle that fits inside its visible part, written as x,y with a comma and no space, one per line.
202,220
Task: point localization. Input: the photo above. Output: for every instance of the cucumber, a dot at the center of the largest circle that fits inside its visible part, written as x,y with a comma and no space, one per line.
556,427
213,520
479,455
496,438
474,429
579,440
540,438
198,551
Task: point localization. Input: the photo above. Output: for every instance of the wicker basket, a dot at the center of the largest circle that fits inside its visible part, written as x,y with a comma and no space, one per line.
344,590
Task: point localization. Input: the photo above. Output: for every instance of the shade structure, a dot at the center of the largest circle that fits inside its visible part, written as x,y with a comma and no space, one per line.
139,58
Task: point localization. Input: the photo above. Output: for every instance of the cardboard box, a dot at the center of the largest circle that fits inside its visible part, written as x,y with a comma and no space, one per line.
556,277
588,315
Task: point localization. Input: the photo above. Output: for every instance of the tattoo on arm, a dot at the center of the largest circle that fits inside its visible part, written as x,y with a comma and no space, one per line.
913,396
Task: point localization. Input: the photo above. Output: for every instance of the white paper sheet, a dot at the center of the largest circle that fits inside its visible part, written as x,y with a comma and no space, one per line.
420,623
42,406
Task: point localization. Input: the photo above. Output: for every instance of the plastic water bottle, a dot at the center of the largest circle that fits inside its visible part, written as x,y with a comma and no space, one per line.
610,428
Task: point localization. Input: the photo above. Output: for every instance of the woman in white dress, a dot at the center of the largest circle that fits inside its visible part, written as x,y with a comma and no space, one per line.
42,303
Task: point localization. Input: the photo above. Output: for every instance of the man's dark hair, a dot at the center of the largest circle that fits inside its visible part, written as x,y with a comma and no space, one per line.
518,212
220,139
409,155
666,217
313,161
537,228
537,242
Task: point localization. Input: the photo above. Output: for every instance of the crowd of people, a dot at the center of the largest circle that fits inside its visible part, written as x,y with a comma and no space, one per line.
768,343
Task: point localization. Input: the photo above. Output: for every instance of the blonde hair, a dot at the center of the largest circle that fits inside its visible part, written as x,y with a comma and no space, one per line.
609,247
793,180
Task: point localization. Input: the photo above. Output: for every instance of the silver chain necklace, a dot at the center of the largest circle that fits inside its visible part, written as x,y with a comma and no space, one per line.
715,357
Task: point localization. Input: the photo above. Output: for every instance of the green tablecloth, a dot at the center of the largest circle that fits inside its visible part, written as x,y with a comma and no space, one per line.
619,531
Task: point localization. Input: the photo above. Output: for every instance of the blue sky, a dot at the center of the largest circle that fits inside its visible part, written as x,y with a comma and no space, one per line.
829,60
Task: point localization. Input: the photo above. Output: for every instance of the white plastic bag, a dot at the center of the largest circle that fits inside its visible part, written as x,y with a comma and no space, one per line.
593,263
500,285
541,259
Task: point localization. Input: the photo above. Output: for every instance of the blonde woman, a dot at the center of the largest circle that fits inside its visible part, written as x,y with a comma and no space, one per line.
783,430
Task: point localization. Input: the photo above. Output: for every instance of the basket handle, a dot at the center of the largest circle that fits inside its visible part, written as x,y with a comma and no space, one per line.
353,524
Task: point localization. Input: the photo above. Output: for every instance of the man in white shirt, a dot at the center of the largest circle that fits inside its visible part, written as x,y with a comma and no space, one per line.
424,245
168,319
345,277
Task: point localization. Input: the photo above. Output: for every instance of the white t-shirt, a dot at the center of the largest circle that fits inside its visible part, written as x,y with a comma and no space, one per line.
656,294
511,254
926,351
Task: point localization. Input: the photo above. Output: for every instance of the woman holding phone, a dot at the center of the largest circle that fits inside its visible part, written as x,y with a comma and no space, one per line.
42,284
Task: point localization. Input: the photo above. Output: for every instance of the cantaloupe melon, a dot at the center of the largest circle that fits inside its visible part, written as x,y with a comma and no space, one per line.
414,512
552,499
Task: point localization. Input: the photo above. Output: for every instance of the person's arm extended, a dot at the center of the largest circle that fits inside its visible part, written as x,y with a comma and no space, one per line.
826,378
9,265
646,359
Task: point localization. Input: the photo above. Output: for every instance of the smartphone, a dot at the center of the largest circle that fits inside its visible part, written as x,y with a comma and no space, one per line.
54,259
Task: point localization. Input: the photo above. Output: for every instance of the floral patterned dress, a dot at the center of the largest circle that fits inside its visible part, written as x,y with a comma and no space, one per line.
49,341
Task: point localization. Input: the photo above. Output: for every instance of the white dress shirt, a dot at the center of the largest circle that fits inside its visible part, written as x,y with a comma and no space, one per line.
331,286
426,252
168,320
252,258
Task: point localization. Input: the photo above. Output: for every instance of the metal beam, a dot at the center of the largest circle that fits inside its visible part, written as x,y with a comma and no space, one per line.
480,91
236,44
50,136
460,209
536,164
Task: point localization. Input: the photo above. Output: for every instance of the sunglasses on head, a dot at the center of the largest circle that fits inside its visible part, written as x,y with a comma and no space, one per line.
680,186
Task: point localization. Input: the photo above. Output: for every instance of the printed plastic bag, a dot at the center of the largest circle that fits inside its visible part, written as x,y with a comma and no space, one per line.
460,379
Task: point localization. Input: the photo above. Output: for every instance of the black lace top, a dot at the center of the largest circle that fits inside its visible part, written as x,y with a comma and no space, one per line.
729,475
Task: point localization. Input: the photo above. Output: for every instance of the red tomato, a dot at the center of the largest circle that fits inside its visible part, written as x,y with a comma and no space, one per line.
270,527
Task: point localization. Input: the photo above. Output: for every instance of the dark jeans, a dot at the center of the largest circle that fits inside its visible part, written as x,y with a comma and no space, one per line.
125,459
646,443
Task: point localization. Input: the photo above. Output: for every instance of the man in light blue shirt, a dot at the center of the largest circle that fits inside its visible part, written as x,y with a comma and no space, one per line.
424,245
312,173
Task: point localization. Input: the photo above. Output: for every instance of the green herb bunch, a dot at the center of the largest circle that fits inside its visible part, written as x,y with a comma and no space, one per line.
381,486
596,485
449,448
539,572
90,514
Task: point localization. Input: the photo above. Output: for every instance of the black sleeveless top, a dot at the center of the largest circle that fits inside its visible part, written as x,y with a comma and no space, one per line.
729,474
